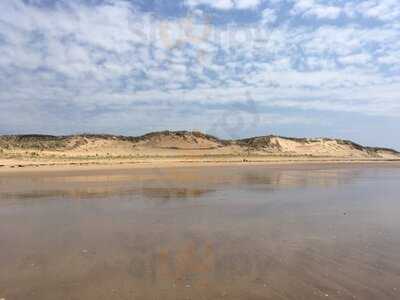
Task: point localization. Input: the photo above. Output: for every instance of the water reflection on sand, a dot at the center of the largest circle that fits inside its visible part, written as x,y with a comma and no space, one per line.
169,183
284,232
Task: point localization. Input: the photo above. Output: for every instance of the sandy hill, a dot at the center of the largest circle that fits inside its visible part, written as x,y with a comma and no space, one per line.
183,143
314,147
180,140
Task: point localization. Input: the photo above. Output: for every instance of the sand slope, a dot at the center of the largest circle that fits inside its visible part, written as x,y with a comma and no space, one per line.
181,144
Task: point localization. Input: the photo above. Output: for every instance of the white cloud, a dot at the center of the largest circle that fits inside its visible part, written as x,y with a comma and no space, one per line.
383,10
390,59
361,58
112,57
225,4
324,12
268,16
315,9
247,4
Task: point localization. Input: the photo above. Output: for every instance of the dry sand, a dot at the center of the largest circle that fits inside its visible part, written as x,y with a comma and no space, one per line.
8,166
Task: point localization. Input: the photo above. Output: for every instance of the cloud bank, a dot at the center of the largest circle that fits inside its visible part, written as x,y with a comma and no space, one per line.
131,67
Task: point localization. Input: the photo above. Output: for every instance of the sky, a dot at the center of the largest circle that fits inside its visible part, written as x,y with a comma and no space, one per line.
232,68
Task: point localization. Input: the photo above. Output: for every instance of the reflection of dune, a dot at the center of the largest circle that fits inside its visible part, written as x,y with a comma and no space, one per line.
169,183
289,178
88,193
174,192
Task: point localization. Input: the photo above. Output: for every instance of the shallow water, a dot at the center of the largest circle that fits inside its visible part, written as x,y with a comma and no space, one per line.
276,232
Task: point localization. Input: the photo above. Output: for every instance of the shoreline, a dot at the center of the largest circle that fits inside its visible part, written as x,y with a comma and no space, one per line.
14,166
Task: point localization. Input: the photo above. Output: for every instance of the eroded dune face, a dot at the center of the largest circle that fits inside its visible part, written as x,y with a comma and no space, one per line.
314,147
184,143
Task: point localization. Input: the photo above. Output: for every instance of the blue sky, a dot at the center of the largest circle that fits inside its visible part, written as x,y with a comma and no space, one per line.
232,68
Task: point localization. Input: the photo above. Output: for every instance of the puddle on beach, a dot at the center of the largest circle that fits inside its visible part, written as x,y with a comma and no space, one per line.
275,232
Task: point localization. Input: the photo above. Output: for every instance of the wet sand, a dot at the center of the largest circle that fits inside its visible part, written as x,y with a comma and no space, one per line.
328,231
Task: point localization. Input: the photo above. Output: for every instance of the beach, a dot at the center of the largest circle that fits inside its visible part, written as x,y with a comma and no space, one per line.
276,231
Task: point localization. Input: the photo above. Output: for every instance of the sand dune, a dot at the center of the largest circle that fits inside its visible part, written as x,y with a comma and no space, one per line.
180,144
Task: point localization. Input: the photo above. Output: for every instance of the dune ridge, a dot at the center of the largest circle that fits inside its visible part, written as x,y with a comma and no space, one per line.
181,144
184,143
